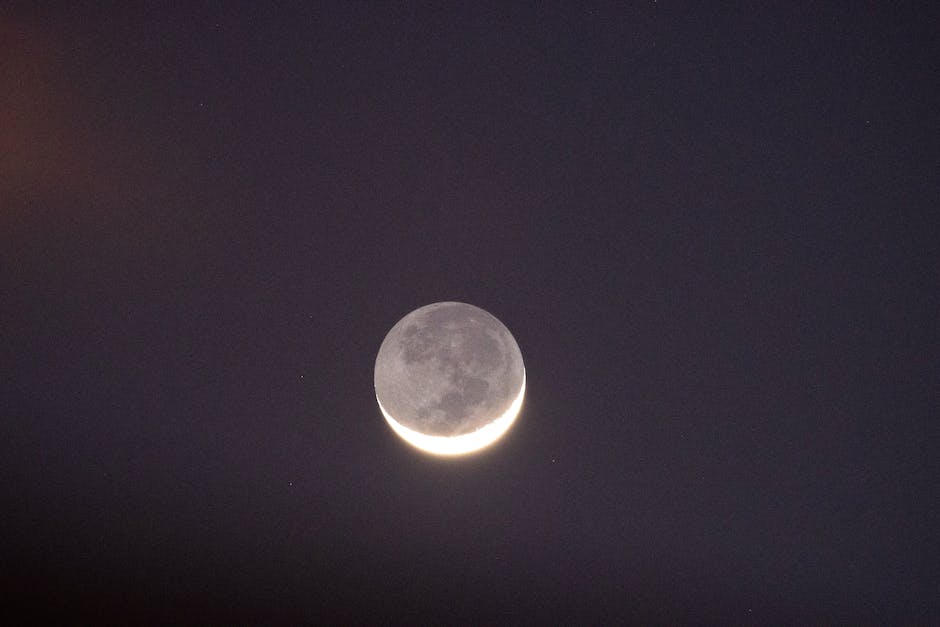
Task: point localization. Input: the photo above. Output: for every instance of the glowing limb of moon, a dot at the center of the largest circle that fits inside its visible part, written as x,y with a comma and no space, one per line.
460,444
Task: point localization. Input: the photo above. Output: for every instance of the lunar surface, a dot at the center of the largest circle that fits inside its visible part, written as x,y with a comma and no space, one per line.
449,378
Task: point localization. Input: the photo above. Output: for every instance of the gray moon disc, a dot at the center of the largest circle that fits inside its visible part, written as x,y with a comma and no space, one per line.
447,370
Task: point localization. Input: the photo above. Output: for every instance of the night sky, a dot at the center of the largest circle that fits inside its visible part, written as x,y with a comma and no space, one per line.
713,233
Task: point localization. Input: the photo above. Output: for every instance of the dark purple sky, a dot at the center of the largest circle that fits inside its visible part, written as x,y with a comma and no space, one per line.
712,232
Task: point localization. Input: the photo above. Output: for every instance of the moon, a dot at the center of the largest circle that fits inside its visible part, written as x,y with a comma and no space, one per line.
449,378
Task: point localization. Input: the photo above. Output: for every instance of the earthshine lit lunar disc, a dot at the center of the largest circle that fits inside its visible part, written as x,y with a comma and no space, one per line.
449,378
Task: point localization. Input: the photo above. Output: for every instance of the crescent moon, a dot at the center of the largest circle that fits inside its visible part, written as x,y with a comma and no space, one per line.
449,378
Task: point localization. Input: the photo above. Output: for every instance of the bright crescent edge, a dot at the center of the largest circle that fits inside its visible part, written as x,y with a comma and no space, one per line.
460,444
